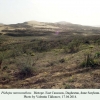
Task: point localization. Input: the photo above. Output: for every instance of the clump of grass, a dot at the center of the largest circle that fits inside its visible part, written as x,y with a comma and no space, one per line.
67,86
5,78
71,79
26,68
32,54
51,63
97,55
4,68
25,71
72,47
62,60
88,61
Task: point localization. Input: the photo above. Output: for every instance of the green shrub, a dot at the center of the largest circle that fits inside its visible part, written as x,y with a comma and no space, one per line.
66,50
98,41
73,46
89,61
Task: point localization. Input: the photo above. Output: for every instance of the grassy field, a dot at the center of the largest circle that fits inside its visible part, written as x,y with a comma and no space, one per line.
50,61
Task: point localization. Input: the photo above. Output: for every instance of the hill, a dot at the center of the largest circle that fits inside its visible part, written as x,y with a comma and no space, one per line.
35,27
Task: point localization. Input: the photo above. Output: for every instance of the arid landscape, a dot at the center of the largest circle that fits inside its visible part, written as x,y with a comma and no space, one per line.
40,55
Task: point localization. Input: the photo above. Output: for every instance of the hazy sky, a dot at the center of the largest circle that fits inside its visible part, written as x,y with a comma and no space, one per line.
85,12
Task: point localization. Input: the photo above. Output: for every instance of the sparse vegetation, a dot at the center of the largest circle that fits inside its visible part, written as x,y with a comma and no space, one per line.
40,58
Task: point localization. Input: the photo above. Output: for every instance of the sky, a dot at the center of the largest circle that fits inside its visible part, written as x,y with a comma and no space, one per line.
84,12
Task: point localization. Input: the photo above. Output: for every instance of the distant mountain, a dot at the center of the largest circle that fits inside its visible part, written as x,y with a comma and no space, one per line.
63,23
61,26
69,26
1,24
34,23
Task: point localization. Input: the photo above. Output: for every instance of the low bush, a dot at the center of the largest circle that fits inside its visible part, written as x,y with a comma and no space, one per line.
88,61
73,46
25,71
